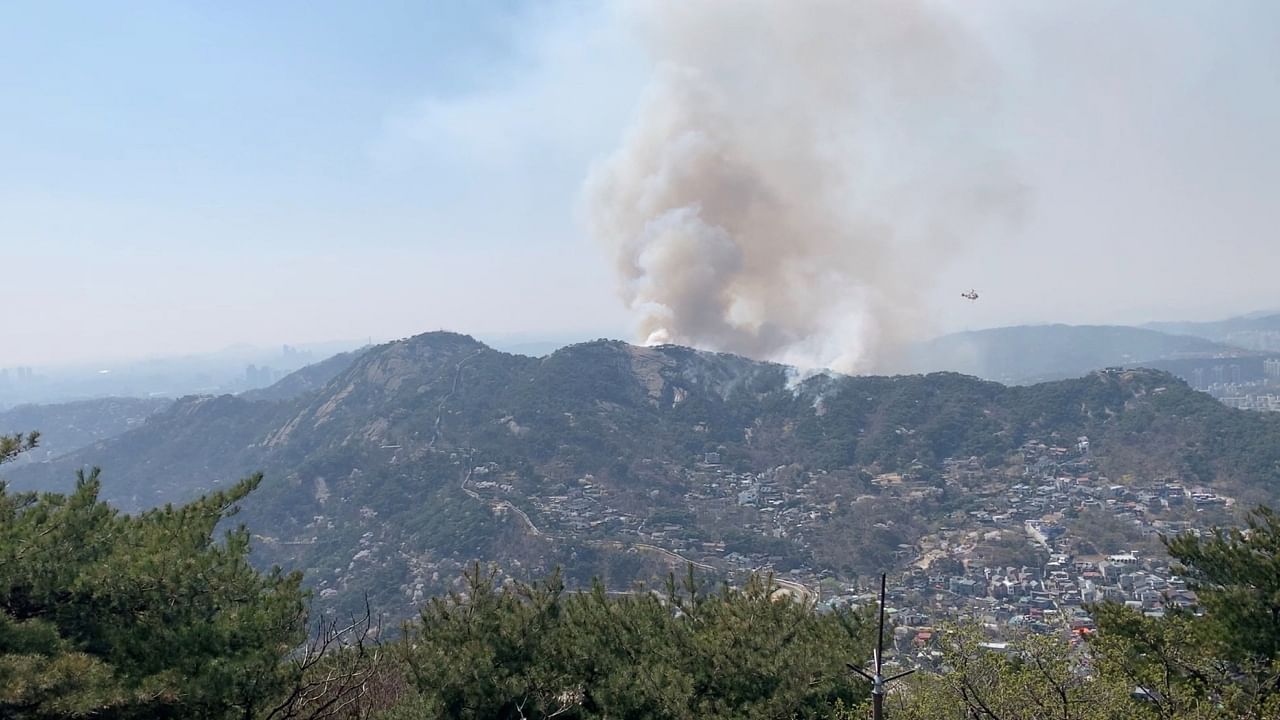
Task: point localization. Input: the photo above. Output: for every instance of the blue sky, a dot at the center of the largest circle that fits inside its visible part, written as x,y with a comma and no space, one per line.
236,101
180,177
261,172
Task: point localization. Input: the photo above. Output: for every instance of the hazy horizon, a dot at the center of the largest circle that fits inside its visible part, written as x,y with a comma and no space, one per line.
517,342
178,180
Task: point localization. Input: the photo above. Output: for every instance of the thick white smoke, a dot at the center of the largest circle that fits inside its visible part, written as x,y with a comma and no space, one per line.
798,172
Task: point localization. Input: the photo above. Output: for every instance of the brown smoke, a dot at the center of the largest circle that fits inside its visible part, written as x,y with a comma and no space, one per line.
798,172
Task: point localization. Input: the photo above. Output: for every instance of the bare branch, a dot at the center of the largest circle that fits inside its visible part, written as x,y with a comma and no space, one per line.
332,671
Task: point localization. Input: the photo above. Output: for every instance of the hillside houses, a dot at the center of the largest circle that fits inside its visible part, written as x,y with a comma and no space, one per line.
1011,544
1058,485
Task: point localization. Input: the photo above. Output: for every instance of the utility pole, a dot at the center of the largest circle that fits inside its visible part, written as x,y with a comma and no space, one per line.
878,680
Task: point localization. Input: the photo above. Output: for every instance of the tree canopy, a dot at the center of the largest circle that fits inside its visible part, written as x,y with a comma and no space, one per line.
108,615
535,651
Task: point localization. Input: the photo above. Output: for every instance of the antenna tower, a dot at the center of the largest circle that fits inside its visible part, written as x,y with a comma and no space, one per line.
878,680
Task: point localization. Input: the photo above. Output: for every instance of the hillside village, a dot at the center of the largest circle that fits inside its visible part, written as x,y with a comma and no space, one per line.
957,570
1059,483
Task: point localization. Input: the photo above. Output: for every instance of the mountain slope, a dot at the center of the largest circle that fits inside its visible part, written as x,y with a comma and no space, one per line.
1034,353
67,427
304,380
618,461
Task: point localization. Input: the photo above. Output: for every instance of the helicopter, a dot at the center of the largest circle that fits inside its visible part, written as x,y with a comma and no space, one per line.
971,295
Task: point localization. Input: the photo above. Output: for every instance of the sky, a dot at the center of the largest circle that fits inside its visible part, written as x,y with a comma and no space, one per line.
181,177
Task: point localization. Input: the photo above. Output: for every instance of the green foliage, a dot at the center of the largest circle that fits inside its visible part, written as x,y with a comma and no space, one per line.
110,616
535,651
11,446
1175,664
1222,661
1236,572
1030,678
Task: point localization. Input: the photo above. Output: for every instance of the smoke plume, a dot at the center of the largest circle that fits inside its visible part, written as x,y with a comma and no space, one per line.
797,175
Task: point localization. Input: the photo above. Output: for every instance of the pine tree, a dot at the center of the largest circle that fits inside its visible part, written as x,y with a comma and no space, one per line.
113,616
535,651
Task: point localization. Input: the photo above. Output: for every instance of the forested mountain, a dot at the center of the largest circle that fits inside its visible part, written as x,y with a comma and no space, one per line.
67,427
1036,353
432,451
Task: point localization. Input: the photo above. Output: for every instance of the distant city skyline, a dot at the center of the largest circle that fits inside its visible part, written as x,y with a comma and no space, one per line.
179,179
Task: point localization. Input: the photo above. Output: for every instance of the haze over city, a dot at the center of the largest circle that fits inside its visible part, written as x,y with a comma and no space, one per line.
183,178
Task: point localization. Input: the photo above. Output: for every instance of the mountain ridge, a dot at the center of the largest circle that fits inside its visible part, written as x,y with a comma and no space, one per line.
1256,331
429,452
1036,353
70,426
